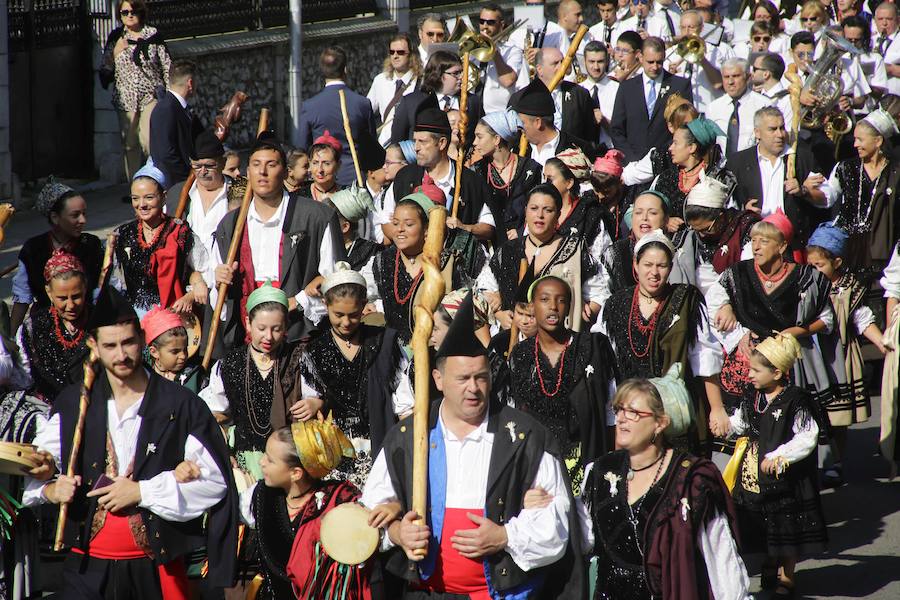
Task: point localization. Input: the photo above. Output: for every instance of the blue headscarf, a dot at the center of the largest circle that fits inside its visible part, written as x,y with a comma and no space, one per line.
831,238
409,151
505,123
150,171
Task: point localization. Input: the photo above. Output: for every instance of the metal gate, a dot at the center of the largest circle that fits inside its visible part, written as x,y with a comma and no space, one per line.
51,89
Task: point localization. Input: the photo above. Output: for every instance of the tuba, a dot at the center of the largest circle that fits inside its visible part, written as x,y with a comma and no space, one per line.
824,82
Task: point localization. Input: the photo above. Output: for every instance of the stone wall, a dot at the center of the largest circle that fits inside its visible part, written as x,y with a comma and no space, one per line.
9,189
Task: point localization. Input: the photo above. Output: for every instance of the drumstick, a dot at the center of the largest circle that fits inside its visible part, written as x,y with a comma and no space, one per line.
558,77
231,113
232,251
461,128
432,291
513,328
349,134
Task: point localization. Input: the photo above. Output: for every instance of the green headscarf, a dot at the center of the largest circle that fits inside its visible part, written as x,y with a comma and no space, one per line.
676,400
266,293
421,199
705,131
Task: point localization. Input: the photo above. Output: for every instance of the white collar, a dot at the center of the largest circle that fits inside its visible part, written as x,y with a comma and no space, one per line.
276,219
475,435
788,150
552,143
179,97
647,79
335,82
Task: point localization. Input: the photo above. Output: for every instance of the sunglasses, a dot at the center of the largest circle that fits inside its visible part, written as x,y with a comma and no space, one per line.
127,13
762,38
806,55
809,18
637,2
488,21
434,34
398,52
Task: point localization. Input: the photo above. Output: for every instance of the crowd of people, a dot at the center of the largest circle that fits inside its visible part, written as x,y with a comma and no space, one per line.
656,235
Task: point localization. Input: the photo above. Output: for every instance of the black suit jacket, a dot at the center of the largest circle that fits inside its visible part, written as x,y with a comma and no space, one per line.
172,133
804,216
577,111
632,130
405,116
323,111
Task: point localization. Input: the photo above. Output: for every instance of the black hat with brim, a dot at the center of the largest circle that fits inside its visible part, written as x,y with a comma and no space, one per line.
112,308
535,100
207,145
430,117
370,153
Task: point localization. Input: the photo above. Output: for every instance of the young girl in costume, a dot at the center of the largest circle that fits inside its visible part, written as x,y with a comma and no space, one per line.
777,500
826,251
167,345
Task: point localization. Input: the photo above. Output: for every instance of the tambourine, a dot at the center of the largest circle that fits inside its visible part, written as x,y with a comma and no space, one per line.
14,458
346,535
194,332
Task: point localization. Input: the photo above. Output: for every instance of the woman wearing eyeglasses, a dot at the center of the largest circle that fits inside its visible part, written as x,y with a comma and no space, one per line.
655,324
399,76
136,60
443,78
660,521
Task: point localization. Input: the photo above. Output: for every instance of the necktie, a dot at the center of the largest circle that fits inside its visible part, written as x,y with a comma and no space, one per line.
669,22
651,97
447,101
881,40
734,125
594,99
689,72
608,31
642,22
399,88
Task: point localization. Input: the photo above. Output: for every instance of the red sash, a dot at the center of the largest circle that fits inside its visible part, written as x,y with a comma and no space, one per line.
248,274
114,541
454,573
164,267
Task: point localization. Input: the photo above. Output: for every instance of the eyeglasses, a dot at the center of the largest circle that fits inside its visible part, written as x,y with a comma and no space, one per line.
806,55
809,18
388,163
755,68
762,38
488,21
398,52
127,12
618,50
632,414
456,74
208,166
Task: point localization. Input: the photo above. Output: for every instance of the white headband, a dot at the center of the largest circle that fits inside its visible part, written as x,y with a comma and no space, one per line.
709,192
883,122
342,274
656,235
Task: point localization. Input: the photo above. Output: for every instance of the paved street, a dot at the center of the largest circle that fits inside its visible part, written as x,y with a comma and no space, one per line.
864,515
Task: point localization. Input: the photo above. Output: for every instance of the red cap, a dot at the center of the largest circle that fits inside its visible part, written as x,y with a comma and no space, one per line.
158,321
782,223
330,140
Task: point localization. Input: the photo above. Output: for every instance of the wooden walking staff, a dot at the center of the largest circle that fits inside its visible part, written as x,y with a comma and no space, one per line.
462,126
427,300
560,74
83,403
513,328
232,252
230,113
795,89
347,132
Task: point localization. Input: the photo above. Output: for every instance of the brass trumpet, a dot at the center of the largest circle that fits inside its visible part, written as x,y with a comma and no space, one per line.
479,47
692,49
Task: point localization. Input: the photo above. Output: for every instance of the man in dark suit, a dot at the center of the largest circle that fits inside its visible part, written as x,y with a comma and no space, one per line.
573,107
442,77
173,125
535,108
806,204
637,122
323,111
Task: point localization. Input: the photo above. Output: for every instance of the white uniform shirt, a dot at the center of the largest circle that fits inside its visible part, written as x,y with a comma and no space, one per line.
494,96
383,88
702,88
161,494
536,537
720,110
782,101
597,33
606,96
654,25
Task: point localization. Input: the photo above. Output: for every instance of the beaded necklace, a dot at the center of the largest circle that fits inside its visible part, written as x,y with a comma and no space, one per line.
691,176
66,343
634,512
862,223
769,282
537,366
156,233
634,320
513,158
405,299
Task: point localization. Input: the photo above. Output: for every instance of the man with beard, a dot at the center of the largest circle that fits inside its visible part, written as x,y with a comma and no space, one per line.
768,69
130,521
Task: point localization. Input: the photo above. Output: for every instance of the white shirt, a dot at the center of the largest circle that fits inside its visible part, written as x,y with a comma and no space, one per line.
721,109
606,96
381,93
597,33
536,537
655,25
772,176
890,281
659,12
546,152
781,101
204,224
891,57
701,87
494,96
646,81
161,494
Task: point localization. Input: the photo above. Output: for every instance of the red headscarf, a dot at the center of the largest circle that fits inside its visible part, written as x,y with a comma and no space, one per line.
434,193
62,261
329,140
782,223
610,163
158,321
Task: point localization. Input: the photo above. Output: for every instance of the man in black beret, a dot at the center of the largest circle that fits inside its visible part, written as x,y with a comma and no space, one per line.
431,135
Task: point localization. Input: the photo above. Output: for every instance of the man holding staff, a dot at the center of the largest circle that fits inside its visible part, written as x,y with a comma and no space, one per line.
482,459
130,519
287,240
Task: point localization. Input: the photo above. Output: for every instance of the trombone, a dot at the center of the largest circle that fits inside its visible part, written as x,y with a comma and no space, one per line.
480,47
